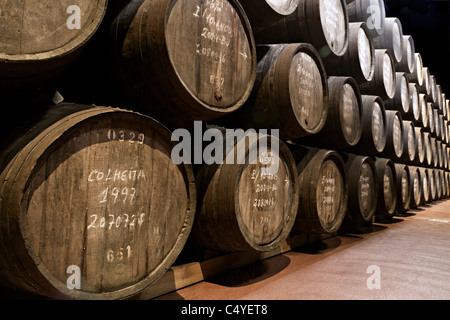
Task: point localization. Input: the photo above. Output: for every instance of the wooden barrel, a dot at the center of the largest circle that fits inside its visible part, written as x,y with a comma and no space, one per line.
290,93
322,23
369,11
387,188
439,183
424,174
415,186
394,136
409,142
324,191
39,41
416,75
403,187
358,61
402,97
425,87
434,152
438,103
407,65
86,189
432,181
391,39
374,127
383,82
437,125
158,44
343,127
424,123
414,113
262,14
432,95
420,147
362,190
427,147
248,204
431,121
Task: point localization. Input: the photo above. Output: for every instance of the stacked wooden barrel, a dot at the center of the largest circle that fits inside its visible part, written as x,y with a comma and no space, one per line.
320,117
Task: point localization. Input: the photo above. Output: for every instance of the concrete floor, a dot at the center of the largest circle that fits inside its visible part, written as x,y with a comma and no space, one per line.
405,258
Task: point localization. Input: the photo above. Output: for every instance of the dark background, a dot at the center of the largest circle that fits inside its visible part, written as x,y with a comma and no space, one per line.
427,21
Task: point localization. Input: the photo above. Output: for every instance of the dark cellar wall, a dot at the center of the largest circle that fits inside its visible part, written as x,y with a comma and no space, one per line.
428,22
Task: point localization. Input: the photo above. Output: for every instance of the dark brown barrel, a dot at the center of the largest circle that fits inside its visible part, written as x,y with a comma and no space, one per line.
324,191
248,201
39,41
383,82
420,147
343,127
371,12
402,97
387,188
166,40
403,187
391,39
424,174
394,136
425,87
86,188
437,125
374,127
407,64
424,123
263,13
358,61
432,181
431,121
322,23
439,183
427,146
417,75
290,93
362,190
415,186
432,96
409,142
414,113
438,103
435,156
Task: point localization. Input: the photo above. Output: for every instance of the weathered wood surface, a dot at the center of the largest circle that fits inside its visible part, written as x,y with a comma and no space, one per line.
87,187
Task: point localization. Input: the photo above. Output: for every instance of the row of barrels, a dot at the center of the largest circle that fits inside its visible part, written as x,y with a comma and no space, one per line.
87,187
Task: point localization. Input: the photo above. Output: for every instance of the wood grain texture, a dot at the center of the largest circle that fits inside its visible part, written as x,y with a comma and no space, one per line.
322,23
324,196
387,188
243,207
343,127
166,40
88,187
290,93
374,127
362,191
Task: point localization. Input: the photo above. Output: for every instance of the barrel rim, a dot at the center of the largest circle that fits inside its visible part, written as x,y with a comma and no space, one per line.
43,143
253,56
286,225
76,43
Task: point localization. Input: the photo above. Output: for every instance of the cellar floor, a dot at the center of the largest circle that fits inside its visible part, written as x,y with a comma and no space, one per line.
407,257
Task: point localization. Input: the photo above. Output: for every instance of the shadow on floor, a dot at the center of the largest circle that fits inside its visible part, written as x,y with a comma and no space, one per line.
253,273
